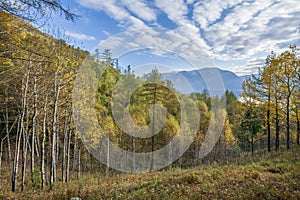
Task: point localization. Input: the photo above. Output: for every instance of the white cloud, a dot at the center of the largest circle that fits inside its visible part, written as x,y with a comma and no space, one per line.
111,7
209,11
177,11
114,42
222,29
80,36
139,8
248,28
234,22
148,37
161,42
189,2
117,10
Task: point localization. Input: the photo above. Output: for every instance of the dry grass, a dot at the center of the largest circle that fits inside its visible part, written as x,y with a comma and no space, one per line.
275,176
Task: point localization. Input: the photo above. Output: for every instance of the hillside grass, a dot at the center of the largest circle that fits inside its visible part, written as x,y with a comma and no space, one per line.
273,176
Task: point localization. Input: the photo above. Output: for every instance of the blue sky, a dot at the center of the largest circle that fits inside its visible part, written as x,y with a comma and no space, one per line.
234,35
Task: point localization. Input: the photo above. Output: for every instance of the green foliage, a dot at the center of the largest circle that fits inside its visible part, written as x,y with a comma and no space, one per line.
269,100
29,57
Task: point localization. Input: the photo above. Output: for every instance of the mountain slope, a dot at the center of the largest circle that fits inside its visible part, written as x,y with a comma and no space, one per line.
198,80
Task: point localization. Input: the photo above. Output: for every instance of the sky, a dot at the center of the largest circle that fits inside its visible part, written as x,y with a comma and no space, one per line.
235,35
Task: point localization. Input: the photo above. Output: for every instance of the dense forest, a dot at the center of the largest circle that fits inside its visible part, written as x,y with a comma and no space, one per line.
39,142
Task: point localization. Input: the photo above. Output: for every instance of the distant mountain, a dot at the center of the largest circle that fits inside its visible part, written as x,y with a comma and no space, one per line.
213,79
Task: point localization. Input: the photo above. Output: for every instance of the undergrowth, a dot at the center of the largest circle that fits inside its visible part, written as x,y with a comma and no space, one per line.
275,176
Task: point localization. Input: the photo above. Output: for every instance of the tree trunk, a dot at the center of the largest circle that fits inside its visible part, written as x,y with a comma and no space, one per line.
57,145
24,150
288,98
153,129
74,154
252,142
23,131
107,156
43,174
24,157
298,127
8,149
37,145
16,158
49,155
133,154
79,162
225,145
33,129
54,133
277,125
68,156
63,163
7,128
268,118
1,150
288,123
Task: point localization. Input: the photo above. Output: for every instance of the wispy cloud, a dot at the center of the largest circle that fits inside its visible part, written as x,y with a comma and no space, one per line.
225,30
177,11
140,8
118,11
80,36
253,27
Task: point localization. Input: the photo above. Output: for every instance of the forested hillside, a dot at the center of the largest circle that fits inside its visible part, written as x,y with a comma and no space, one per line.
40,144
37,74
231,81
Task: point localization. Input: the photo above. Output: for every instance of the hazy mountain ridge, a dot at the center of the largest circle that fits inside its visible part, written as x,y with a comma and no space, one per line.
194,81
